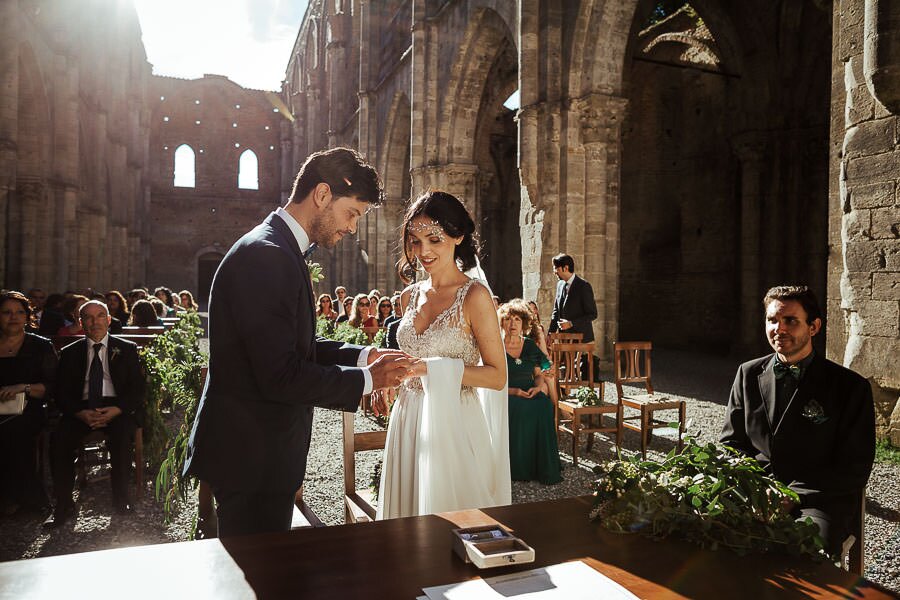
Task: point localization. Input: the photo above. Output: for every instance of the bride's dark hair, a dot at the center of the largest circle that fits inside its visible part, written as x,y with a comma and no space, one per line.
454,219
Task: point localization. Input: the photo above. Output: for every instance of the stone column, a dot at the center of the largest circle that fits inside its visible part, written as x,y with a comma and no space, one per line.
418,93
600,118
9,116
750,148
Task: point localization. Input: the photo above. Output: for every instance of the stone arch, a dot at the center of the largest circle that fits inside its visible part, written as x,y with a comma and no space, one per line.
185,166
486,36
206,261
248,170
394,167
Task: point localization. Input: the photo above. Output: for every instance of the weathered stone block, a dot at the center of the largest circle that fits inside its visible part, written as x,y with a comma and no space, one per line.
879,318
885,223
862,256
869,356
872,196
856,289
856,225
870,137
886,286
888,256
880,167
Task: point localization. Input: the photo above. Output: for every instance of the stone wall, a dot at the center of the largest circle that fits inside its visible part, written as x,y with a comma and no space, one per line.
220,121
864,232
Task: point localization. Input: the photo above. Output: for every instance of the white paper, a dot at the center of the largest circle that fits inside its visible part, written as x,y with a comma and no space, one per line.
569,581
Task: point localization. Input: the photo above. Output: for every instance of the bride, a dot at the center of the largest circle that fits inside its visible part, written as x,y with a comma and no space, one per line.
447,444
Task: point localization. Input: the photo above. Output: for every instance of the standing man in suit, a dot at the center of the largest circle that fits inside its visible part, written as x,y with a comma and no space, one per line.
574,308
99,387
267,369
810,422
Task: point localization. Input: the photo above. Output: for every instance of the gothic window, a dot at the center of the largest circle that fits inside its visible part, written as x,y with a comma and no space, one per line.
248,171
185,173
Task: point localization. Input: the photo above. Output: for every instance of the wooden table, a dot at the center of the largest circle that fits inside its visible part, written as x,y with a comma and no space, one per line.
397,558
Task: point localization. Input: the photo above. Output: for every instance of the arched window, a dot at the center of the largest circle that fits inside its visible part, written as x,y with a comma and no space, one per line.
185,175
248,171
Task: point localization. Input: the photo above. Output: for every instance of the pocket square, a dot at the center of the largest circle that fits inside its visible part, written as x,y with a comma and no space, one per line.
814,412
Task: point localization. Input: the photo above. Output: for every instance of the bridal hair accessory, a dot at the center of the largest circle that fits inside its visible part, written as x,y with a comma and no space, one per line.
431,227
348,182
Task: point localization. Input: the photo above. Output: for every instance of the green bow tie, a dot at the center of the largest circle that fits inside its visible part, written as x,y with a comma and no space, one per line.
782,369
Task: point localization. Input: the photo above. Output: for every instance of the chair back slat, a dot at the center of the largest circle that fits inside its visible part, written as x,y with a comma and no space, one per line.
632,364
353,443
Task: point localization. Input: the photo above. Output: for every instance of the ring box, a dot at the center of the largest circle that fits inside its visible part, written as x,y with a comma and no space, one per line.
490,546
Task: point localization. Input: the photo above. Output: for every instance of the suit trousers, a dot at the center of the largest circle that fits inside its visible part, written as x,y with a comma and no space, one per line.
64,445
244,513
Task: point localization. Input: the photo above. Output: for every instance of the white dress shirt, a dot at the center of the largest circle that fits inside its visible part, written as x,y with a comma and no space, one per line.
302,237
108,389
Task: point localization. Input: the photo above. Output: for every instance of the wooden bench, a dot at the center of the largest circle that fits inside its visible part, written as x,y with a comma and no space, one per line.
61,341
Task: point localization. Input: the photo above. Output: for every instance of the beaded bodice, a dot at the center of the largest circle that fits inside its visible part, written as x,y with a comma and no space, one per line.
447,336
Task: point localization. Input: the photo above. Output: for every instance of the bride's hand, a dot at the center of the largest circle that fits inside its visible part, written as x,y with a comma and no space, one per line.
419,369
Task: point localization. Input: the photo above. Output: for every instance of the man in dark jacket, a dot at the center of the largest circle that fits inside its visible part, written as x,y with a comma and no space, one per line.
99,387
810,422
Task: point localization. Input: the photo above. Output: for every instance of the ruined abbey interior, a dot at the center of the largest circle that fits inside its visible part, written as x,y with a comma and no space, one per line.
687,155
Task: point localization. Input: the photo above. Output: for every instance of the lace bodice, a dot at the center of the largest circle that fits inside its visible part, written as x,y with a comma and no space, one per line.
447,336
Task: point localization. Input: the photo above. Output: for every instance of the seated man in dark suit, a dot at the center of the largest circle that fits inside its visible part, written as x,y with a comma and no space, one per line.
100,387
808,421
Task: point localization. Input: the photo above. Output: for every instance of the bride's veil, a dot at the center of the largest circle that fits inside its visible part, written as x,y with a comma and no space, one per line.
495,404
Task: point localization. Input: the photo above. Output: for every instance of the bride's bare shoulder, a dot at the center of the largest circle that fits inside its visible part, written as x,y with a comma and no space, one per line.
478,297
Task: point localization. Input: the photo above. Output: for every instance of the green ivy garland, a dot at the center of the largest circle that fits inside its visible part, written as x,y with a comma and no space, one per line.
707,494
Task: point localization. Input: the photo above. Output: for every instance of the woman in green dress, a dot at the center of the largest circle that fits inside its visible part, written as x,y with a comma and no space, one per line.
533,451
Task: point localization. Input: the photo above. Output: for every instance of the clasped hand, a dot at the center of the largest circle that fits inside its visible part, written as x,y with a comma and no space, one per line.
389,368
525,393
8,392
97,418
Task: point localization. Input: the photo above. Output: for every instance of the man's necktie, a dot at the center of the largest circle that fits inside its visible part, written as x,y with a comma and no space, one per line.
312,248
95,380
782,369
563,295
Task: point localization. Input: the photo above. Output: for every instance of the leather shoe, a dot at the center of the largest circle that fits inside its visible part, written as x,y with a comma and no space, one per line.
58,517
124,508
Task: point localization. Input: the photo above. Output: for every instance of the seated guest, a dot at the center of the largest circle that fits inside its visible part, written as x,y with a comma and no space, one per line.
390,340
118,307
533,450
325,309
347,310
38,298
165,295
99,387
159,306
144,315
27,365
115,325
135,295
52,317
340,295
70,307
808,421
359,313
385,311
187,301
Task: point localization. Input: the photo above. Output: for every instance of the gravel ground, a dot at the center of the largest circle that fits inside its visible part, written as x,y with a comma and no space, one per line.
703,381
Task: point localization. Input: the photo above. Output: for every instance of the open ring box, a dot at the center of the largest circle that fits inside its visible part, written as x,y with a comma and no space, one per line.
14,406
490,546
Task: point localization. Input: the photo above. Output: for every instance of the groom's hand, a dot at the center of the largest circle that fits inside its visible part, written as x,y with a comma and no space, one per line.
388,370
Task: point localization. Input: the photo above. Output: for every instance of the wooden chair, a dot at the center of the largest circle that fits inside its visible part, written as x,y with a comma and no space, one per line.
94,452
853,550
359,505
574,418
553,341
632,365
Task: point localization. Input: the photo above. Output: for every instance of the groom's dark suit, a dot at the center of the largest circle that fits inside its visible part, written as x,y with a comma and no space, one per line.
824,445
267,369
577,306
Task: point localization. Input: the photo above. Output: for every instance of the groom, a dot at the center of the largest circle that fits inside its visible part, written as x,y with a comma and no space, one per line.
267,369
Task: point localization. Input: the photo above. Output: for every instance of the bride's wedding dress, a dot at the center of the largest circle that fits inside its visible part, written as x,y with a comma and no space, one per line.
447,446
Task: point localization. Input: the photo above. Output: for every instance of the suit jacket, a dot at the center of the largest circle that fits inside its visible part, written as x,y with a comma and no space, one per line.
267,369
579,308
392,335
124,370
824,444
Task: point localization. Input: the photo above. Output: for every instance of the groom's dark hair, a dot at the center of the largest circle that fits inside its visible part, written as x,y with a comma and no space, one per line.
346,173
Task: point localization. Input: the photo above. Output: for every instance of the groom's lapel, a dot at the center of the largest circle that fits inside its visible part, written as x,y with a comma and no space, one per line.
287,239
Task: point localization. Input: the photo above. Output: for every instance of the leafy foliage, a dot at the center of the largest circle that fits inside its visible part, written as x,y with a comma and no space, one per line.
709,495
344,332
666,8
886,453
173,364
586,396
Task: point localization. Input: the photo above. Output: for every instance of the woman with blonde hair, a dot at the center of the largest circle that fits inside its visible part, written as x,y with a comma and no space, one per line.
360,313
